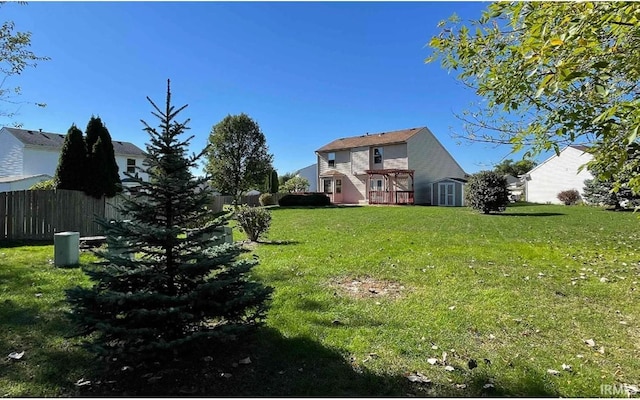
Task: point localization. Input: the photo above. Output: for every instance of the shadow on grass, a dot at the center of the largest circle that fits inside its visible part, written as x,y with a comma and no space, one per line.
531,214
8,244
343,206
278,242
277,366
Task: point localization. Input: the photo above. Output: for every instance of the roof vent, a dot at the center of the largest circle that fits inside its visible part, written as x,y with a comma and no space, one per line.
40,129
31,132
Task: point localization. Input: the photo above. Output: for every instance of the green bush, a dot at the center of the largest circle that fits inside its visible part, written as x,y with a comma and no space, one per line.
49,184
254,221
569,197
309,200
487,191
266,199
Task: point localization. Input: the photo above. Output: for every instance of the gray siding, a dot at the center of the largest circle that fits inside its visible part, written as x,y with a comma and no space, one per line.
458,195
431,161
359,160
395,156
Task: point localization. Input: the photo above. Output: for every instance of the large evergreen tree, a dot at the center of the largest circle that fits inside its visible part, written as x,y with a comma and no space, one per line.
95,184
72,164
102,174
178,289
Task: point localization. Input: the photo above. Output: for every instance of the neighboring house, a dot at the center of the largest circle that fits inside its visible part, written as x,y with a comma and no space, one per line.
408,166
515,187
26,154
13,183
310,173
556,174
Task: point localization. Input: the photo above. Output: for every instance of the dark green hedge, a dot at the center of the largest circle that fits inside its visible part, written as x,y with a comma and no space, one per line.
311,200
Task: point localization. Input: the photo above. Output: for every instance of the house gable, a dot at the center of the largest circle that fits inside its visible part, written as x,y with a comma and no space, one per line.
11,154
558,173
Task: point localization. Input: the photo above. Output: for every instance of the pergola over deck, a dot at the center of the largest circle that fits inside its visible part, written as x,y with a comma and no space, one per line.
392,192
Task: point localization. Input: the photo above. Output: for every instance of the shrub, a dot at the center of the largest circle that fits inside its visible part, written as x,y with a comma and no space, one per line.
254,221
266,199
49,184
308,200
569,197
487,191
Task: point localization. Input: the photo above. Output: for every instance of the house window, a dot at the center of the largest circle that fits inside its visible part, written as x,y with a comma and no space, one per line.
327,185
338,185
376,184
377,155
131,165
332,159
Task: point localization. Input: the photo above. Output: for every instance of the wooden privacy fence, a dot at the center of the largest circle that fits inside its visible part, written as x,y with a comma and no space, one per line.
38,214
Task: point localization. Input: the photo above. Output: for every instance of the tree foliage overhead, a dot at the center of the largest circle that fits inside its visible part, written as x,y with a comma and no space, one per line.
163,288
238,157
15,57
520,167
552,74
72,163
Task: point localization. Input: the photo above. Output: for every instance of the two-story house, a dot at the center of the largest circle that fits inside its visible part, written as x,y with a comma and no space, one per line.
28,157
408,166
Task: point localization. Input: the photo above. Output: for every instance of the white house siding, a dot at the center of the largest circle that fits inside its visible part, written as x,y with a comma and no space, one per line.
431,161
121,160
40,160
556,174
310,173
11,150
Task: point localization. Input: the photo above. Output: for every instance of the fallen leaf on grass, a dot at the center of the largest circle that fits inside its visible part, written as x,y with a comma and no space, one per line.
245,361
461,386
418,378
590,342
553,372
432,361
449,368
444,357
16,356
566,367
82,382
488,386
601,350
452,308
225,375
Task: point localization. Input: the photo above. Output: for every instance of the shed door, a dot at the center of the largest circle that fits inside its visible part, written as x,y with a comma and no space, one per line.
446,193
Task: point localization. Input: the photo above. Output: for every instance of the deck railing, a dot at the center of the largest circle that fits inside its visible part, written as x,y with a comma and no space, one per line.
391,197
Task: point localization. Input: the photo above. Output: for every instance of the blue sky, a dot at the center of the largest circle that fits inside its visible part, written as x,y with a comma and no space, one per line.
307,72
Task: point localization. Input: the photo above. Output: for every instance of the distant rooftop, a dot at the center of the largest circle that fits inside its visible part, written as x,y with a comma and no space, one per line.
55,140
372,139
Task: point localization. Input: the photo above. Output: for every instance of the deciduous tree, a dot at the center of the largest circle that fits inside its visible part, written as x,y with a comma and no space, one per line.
552,74
238,157
508,167
15,57
487,191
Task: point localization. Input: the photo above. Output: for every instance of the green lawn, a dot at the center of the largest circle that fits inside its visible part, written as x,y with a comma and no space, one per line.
365,296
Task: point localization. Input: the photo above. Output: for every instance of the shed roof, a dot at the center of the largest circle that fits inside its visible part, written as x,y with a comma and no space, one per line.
55,140
372,139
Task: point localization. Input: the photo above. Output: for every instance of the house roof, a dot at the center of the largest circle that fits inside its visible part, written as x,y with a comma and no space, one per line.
579,147
55,140
18,178
373,139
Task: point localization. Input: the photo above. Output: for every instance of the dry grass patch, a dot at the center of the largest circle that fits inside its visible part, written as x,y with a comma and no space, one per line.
369,288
